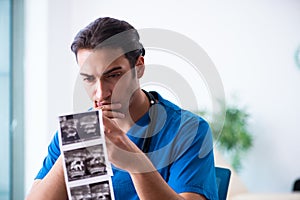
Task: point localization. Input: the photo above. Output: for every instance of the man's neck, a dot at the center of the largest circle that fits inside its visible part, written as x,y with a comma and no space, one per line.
138,106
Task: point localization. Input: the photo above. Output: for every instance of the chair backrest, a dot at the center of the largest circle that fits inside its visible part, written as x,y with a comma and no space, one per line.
223,178
296,186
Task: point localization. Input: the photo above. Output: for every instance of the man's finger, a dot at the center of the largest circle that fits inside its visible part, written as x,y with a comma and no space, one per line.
113,114
110,106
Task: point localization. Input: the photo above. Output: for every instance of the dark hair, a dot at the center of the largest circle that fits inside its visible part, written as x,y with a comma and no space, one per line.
110,32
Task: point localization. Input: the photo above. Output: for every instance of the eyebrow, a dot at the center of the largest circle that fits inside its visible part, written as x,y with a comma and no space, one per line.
104,73
87,75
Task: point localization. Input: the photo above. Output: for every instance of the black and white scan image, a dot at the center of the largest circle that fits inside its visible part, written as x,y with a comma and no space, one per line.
81,192
101,191
95,191
85,162
95,161
87,170
79,127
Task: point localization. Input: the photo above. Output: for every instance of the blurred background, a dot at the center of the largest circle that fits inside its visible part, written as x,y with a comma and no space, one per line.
254,45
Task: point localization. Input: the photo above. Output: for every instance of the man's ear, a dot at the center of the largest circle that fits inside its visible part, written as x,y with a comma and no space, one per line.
140,66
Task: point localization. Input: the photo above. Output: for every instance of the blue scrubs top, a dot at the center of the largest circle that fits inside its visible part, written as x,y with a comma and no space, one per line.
181,149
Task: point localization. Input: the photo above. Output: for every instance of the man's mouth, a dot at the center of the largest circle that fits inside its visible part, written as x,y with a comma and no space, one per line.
99,104
96,105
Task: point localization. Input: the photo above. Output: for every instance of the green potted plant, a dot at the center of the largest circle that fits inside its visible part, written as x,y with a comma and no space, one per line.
234,140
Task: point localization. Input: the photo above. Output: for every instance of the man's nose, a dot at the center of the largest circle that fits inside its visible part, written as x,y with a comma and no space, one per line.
101,91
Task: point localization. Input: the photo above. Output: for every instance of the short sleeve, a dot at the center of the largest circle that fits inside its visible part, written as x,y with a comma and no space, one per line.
194,170
50,159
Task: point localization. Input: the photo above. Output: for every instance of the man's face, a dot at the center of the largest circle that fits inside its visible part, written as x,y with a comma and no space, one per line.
107,76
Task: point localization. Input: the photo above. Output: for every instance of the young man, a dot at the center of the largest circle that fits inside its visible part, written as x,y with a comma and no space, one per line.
156,148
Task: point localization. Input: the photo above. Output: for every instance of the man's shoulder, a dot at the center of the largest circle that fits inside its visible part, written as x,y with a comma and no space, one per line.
178,112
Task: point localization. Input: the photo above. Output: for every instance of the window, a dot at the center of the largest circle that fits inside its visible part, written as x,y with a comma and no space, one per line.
5,105
11,101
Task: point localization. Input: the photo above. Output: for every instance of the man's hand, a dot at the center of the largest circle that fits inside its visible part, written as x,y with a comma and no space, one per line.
122,152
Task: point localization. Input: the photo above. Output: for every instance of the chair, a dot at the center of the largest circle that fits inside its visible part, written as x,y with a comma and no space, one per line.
223,178
296,187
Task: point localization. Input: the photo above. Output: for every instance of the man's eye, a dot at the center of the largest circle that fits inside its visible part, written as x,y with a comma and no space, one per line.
88,79
113,75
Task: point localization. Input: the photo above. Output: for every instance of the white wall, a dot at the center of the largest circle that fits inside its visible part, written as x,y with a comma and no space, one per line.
252,44
36,81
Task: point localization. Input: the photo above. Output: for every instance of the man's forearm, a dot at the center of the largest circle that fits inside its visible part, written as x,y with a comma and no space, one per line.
150,185
51,187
